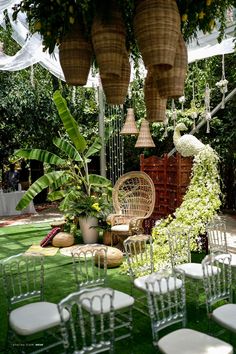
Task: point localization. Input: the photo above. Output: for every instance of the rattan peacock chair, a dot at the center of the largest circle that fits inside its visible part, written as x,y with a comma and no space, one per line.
133,201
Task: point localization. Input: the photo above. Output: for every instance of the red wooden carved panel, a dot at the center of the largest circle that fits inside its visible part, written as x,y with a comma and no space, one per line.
171,176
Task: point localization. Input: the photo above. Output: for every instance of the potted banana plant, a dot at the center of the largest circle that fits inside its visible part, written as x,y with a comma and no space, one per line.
82,195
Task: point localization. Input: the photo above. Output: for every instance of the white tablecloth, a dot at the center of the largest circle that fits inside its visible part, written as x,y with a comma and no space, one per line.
8,202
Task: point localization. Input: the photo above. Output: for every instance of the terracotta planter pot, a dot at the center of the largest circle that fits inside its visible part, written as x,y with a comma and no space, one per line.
89,233
107,237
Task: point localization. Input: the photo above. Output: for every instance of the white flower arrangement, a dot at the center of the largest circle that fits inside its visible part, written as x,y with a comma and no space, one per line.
182,99
222,85
199,206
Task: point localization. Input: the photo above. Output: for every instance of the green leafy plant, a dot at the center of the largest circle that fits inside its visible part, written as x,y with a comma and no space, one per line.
80,192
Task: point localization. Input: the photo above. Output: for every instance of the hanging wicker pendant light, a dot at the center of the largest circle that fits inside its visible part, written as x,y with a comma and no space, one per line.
129,128
144,138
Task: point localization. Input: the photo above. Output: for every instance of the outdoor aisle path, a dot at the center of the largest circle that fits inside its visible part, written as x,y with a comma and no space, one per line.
51,213
44,213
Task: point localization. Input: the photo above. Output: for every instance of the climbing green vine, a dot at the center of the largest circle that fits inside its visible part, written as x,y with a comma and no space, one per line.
199,205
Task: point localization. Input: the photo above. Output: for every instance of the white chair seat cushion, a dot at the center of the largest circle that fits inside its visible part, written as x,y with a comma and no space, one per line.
35,317
140,283
121,300
188,341
194,270
225,316
233,258
120,228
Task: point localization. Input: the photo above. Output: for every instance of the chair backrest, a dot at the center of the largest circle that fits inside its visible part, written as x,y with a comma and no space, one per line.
179,244
23,277
90,267
166,300
134,194
139,255
217,279
90,328
216,233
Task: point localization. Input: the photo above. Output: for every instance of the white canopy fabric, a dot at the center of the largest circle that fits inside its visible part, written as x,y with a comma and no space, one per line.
32,50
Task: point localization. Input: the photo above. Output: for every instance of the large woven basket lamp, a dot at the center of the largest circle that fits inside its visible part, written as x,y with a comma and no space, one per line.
171,82
144,139
155,105
75,53
129,127
108,38
116,87
157,29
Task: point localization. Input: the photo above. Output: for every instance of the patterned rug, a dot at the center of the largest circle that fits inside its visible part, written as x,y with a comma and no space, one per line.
46,251
68,251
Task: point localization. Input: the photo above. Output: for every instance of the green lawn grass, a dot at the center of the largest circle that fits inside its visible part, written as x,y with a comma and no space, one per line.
59,282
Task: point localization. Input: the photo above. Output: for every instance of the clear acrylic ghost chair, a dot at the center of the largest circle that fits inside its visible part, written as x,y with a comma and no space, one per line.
218,243
167,307
29,314
180,254
90,269
217,238
218,288
90,328
139,257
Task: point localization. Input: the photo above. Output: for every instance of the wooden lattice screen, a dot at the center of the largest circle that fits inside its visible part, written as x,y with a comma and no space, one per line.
171,176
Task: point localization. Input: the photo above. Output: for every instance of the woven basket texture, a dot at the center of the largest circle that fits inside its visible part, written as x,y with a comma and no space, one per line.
155,105
157,28
116,87
63,239
144,138
134,195
75,54
171,83
108,38
129,125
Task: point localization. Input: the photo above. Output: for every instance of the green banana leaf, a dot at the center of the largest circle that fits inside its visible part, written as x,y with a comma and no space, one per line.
57,195
99,181
40,155
60,181
94,148
69,122
69,149
41,183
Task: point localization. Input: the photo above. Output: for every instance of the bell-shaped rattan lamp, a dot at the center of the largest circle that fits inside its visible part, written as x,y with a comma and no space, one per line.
129,128
144,139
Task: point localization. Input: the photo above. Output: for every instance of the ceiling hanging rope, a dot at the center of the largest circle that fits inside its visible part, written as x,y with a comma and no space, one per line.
223,83
144,138
194,109
174,112
207,107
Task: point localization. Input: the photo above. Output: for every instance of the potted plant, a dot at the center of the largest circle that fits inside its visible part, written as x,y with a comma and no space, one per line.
81,194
